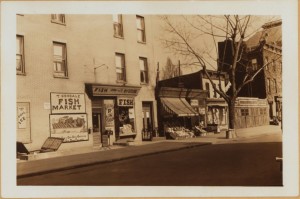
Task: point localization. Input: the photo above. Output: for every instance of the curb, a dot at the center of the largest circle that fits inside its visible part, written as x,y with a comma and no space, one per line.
110,160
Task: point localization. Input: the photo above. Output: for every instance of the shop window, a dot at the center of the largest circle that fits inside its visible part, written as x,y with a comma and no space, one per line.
126,120
244,112
118,25
120,67
140,23
20,55
143,70
60,60
58,18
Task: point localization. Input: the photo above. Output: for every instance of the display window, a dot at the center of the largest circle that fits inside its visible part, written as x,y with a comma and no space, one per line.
126,116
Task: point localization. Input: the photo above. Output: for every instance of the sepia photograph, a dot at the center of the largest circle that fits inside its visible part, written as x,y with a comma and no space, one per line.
150,102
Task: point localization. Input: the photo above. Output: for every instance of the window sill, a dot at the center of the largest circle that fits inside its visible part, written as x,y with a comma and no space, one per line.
142,42
20,73
60,77
58,22
144,84
121,82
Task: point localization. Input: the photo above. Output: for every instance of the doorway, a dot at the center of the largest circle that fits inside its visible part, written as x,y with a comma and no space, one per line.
97,128
147,121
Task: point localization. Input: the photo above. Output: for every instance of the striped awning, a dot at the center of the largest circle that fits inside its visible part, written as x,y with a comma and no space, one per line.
178,106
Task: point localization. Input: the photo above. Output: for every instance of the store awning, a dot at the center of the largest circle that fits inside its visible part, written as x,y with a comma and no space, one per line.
178,106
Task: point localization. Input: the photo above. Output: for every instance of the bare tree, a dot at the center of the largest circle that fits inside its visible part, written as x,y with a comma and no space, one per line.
184,38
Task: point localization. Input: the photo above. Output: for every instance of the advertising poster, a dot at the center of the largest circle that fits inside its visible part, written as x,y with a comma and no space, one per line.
71,127
109,113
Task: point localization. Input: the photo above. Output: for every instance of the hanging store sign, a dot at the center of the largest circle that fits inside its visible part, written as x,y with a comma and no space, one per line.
125,101
114,90
194,102
67,103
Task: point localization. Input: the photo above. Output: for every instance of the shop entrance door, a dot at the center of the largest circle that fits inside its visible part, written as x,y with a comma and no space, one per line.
96,129
147,121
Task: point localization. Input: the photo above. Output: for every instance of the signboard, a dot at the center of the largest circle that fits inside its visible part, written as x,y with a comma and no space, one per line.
105,141
125,101
21,114
71,127
114,90
67,103
109,113
194,102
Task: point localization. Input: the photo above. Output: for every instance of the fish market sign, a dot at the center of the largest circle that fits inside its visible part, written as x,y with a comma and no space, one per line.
67,103
114,90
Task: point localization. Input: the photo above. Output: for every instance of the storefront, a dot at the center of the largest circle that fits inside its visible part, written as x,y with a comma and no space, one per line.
217,114
180,109
113,112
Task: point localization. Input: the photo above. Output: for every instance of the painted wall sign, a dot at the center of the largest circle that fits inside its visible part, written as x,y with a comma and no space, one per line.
114,90
72,127
67,103
125,101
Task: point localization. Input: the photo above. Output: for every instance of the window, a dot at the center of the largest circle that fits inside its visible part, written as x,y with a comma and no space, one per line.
275,86
143,70
58,18
207,88
120,67
20,66
60,60
268,85
140,23
254,64
244,112
215,93
266,62
118,25
274,65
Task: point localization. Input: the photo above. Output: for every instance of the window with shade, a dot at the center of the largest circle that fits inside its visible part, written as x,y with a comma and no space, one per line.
120,67
60,60
118,26
58,18
143,70
20,66
140,23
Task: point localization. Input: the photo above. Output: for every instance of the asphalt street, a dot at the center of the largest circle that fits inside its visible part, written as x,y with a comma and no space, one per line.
248,163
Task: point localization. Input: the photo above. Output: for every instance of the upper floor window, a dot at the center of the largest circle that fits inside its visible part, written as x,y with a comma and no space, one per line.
207,87
58,18
60,59
268,85
143,70
140,24
254,64
118,26
275,85
120,67
20,64
266,62
215,93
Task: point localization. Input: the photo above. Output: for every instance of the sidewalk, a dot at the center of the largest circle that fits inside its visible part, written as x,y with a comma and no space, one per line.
60,160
